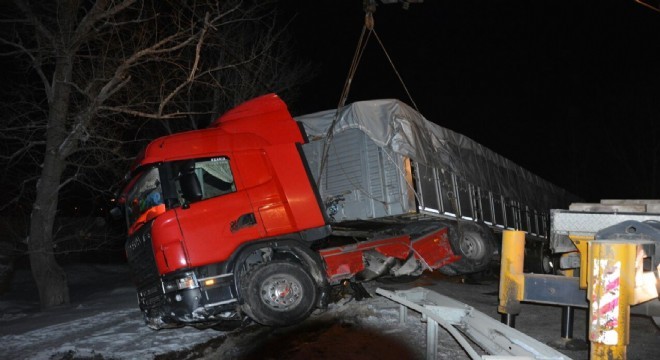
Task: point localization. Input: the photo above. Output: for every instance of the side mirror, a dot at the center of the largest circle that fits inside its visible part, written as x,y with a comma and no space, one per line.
190,187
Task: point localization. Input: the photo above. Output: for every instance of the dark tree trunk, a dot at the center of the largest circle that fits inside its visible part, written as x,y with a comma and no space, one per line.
48,274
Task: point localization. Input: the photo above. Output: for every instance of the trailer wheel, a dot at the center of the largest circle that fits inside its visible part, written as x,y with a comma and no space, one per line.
279,293
475,245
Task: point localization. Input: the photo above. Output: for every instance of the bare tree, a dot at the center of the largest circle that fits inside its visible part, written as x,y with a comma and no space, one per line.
100,72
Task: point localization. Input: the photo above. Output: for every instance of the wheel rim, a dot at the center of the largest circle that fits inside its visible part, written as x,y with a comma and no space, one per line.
281,292
472,247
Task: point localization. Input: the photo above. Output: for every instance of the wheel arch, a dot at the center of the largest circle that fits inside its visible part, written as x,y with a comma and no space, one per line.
290,249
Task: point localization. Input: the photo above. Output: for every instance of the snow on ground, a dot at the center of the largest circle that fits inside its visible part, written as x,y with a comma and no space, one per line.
104,322
103,319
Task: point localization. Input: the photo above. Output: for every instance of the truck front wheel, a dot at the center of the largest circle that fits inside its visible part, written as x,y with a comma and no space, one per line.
278,293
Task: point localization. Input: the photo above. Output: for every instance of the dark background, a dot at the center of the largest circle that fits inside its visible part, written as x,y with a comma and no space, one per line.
566,89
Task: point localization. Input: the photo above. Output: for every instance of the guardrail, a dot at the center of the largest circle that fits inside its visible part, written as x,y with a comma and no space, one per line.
464,322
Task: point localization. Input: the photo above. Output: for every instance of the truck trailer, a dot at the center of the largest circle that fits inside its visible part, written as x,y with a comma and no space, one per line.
260,214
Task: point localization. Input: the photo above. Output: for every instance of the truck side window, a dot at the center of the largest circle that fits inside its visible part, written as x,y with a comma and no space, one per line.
213,175
217,178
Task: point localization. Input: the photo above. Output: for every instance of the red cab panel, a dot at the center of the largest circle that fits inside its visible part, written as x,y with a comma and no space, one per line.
167,243
209,227
266,116
434,249
343,262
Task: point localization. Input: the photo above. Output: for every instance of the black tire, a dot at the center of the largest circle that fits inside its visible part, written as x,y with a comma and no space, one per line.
476,246
279,293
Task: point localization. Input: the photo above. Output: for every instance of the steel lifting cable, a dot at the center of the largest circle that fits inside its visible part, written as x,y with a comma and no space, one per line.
359,50
396,71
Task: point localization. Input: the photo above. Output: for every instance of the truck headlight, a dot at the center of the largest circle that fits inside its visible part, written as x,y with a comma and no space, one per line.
186,281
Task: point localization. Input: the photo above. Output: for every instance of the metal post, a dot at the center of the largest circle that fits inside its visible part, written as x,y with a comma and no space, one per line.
512,278
566,341
567,317
611,287
509,320
431,339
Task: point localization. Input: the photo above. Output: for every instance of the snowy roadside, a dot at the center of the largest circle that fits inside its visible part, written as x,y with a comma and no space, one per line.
103,320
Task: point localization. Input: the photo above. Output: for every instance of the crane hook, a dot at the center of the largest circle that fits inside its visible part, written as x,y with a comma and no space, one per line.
369,9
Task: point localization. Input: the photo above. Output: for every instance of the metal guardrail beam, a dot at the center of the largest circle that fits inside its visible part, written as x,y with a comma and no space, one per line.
462,322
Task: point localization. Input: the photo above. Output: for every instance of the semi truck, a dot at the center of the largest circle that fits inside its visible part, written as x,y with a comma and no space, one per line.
258,215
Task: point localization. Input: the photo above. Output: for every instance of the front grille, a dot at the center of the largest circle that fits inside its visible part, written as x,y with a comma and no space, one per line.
142,263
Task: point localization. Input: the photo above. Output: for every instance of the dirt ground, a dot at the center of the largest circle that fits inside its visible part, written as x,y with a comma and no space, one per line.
369,329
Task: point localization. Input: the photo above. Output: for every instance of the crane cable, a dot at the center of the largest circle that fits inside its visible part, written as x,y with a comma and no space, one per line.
396,71
359,50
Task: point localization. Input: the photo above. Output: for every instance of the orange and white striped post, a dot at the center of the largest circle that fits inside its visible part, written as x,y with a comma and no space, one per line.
611,284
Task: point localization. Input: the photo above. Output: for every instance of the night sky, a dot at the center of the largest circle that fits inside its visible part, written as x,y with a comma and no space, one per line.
567,89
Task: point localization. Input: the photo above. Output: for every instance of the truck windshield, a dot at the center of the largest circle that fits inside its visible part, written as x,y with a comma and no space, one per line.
145,200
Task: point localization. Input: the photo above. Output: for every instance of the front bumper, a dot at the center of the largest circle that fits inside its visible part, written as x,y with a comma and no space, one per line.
195,301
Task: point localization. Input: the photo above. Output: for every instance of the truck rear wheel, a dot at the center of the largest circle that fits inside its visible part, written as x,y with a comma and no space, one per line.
279,293
475,244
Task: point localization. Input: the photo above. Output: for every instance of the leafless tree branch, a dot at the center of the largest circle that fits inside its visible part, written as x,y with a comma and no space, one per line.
113,74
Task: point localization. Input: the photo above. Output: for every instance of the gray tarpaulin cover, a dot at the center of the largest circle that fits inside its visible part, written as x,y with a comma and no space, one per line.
394,125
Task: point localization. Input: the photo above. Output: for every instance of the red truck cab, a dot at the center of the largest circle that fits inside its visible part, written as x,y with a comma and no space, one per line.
200,202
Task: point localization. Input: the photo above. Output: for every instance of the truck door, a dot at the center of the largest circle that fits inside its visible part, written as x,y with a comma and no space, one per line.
215,216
